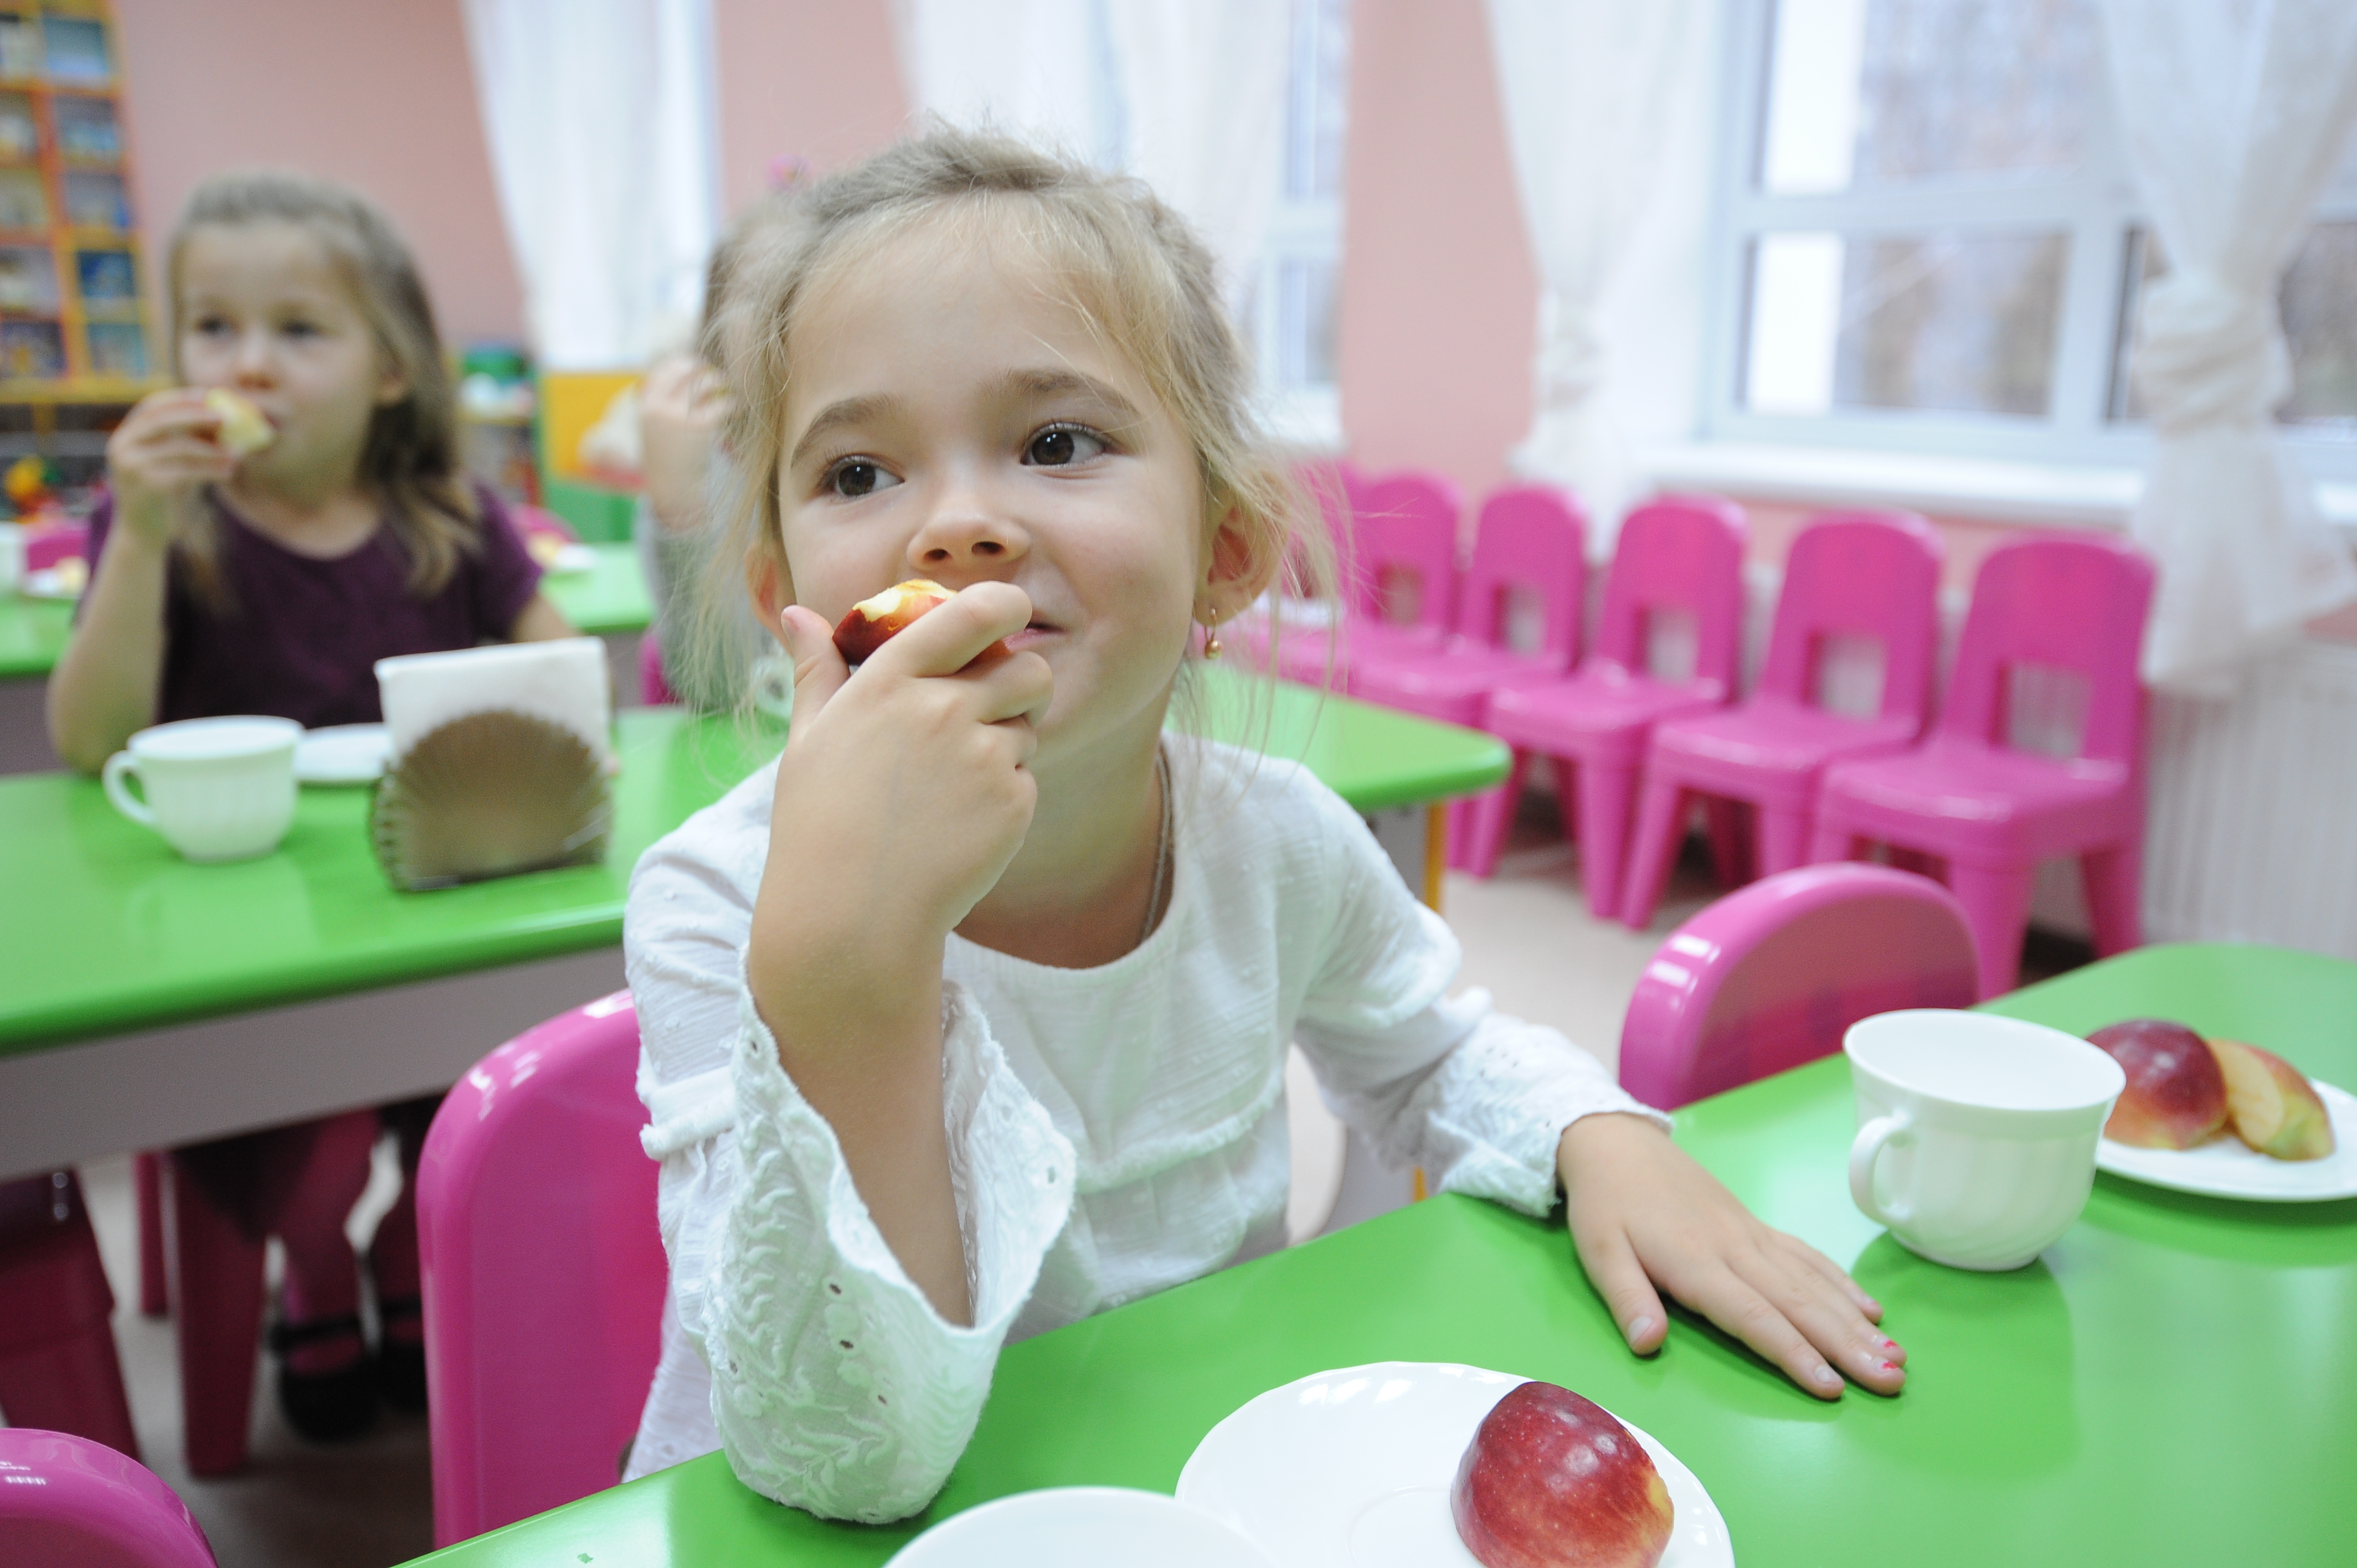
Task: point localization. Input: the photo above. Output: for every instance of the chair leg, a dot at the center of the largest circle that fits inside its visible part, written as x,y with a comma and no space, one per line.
2114,878
217,1281
1607,796
1784,838
1490,815
148,1178
1729,857
1650,851
58,1369
1996,906
1830,842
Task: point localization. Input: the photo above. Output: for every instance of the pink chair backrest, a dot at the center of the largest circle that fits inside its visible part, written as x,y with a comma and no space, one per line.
543,1270
1531,537
1406,524
1770,977
1333,487
654,688
2073,602
68,1502
1868,573
531,520
1682,552
51,543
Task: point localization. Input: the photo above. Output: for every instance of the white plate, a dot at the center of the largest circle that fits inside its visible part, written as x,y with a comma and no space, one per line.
342,754
572,560
2227,1168
1080,1527
1352,1469
45,583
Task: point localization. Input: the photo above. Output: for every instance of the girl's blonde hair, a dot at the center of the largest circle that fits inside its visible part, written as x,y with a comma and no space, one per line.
1133,269
410,462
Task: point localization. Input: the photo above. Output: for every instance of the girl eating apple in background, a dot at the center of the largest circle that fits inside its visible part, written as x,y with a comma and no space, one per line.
968,1016
228,578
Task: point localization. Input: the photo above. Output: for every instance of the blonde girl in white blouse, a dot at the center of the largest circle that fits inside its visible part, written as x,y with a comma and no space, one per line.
967,1017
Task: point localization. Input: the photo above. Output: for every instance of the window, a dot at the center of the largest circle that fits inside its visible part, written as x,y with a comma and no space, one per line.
1293,307
1930,241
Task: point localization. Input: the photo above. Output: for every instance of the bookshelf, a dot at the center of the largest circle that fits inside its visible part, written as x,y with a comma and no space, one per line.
75,332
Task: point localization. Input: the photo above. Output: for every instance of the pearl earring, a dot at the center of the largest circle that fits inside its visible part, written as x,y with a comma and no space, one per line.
1212,649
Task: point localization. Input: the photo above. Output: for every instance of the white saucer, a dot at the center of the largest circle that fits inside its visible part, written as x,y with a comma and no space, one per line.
47,584
1352,1469
2227,1168
342,754
1080,1527
571,561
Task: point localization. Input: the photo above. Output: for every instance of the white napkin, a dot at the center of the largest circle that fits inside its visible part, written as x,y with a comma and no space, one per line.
563,680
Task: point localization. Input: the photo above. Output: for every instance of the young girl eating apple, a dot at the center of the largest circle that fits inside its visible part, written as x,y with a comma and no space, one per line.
968,1018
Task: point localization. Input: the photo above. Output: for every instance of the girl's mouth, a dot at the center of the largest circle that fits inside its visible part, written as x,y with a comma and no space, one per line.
1038,632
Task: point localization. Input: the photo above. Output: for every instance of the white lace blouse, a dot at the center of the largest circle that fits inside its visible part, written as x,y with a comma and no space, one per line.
1113,1131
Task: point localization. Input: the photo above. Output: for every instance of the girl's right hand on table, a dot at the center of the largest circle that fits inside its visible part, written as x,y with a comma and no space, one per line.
904,790
159,458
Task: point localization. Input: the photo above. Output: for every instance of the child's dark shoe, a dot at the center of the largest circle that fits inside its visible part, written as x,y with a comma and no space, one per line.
327,1386
400,1354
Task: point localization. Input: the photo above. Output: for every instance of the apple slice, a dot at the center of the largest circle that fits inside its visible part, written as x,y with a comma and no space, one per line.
243,429
2276,1109
2175,1097
877,620
1551,1480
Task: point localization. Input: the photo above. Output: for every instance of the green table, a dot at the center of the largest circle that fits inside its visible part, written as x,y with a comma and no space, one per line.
609,599
2172,1383
147,1002
32,635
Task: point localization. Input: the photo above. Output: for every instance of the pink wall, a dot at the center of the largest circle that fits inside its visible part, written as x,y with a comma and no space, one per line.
1439,297
380,96
819,81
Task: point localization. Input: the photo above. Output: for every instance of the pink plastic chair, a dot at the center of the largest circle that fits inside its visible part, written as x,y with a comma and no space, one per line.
1677,553
1306,649
58,1365
1866,575
531,520
654,690
50,542
1403,532
2053,635
68,1502
543,1270
1770,977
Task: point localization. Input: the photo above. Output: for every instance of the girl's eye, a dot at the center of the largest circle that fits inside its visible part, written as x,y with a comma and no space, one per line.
301,329
855,477
210,325
1061,445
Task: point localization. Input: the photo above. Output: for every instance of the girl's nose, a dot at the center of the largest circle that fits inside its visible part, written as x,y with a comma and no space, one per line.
253,362
965,535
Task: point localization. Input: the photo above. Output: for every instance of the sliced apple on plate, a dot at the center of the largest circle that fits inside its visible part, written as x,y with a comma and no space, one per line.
2271,1105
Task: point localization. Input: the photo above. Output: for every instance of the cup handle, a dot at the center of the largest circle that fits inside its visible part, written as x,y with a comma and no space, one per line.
130,805
1872,1138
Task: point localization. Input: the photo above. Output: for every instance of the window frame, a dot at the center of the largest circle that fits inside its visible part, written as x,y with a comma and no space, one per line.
1301,230
2095,206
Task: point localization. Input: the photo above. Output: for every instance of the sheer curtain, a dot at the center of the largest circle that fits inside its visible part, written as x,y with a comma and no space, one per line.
603,139
1592,92
1187,94
2234,114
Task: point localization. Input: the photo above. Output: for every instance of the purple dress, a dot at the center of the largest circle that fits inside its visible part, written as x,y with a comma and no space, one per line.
303,636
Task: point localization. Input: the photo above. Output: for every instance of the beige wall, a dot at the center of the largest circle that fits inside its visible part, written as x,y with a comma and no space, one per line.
377,93
821,81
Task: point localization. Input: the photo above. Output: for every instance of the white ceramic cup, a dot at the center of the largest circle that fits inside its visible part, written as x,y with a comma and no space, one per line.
1976,1133
216,788
12,556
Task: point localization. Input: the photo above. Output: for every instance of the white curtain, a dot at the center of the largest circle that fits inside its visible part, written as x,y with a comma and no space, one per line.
1591,90
1187,94
600,116
1203,89
2234,113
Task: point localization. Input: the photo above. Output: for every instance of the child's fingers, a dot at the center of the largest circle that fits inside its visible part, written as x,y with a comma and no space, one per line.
1833,1271
1824,1313
1613,1269
952,635
1729,1301
819,670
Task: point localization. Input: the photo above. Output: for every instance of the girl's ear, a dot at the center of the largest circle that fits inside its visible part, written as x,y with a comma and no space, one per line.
771,589
1244,562
391,386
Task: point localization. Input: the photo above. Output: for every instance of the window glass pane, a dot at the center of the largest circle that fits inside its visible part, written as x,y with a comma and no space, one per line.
2319,300
1869,92
1317,100
1952,322
1305,323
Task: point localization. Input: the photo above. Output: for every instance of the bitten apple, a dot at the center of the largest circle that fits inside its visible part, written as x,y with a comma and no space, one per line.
243,429
2273,1109
1551,1480
2176,1096
873,622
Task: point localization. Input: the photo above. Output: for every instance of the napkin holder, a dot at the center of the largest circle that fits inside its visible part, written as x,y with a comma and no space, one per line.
489,794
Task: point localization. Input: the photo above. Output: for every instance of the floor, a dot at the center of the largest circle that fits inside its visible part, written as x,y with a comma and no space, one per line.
1527,937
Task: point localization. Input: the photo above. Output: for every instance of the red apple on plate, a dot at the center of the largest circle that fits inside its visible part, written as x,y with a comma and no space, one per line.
877,620
2176,1096
2275,1110
1551,1480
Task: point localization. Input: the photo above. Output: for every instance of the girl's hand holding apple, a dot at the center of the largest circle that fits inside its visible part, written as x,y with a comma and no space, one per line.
158,459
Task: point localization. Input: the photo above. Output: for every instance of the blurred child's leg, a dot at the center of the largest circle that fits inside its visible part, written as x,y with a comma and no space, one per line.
392,1263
